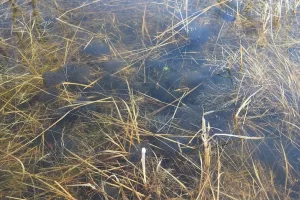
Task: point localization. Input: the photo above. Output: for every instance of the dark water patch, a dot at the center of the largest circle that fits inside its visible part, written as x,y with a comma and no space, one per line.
226,16
192,47
193,79
113,66
189,117
270,153
161,81
159,92
65,115
56,141
109,85
95,48
48,95
128,35
108,67
163,87
74,73
212,88
166,82
229,9
159,123
51,79
104,84
80,109
53,135
202,27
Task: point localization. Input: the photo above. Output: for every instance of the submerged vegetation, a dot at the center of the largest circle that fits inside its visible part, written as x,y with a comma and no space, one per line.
149,99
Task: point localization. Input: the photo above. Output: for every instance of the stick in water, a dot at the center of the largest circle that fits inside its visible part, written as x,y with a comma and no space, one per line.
144,163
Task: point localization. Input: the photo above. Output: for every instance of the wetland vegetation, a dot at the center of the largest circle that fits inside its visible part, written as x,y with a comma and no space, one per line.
162,99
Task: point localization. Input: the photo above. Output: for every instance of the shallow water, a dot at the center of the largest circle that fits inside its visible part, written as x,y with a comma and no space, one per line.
182,65
108,54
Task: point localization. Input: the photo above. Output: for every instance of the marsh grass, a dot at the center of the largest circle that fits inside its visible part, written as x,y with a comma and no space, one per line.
95,149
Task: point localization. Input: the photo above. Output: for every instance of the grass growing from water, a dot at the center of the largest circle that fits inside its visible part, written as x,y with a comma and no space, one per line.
85,143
